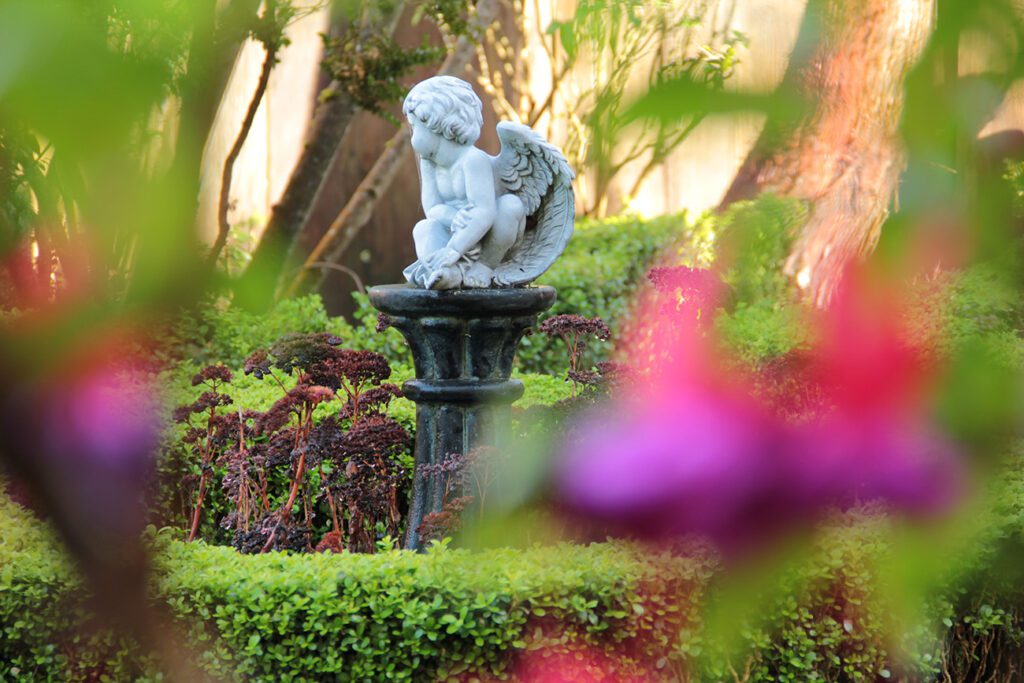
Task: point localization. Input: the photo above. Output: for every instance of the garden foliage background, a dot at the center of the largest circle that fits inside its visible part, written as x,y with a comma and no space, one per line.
115,315
604,610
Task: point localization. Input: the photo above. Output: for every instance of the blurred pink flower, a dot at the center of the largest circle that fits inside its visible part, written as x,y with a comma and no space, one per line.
689,449
693,461
104,416
844,460
865,357
112,419
582,664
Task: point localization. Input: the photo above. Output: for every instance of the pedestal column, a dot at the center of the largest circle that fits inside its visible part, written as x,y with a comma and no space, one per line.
463,342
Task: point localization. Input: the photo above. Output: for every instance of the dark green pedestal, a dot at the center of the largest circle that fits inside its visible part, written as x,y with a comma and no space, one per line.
463,343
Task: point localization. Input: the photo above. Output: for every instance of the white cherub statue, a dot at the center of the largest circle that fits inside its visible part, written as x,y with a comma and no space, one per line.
490,221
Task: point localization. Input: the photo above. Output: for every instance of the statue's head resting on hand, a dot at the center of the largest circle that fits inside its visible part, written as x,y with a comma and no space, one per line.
445,106
489,221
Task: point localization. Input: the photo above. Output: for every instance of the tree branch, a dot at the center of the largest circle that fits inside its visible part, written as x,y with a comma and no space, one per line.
304,187
223,227
216,39
659,154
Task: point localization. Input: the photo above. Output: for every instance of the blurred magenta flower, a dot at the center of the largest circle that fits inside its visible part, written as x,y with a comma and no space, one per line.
845,460
581,664
866,358
94,432
82,438
690,448
106,416
696,461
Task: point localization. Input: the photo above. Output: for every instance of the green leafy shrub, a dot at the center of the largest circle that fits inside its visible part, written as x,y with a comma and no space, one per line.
394,616
757,333
1014,176
541,390
452,615
222,333
762,320
756,237
978,308
824,621
601,269
983,618
983,303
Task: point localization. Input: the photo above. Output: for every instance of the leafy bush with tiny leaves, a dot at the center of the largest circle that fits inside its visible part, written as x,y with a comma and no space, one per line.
453,615
599,272
754,239
758,333
221,333
825,620
983,303
443,615
759,323
1014,176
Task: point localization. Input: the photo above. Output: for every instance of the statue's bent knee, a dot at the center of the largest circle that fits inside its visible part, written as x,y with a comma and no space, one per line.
422,228
511,218
511,207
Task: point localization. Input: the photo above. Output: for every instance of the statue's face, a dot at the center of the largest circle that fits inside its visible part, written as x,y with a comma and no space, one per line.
425,142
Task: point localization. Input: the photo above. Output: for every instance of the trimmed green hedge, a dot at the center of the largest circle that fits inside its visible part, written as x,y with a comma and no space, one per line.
401,616
460,615
445,615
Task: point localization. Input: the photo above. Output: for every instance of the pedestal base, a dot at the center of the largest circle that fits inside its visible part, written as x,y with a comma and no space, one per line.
463,343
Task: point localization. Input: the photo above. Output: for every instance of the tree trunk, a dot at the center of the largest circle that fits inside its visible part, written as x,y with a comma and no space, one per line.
289,216
845,157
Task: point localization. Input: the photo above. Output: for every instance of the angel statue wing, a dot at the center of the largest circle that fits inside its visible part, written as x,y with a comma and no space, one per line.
533,169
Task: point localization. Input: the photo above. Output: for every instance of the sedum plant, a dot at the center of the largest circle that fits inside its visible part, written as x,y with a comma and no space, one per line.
325,444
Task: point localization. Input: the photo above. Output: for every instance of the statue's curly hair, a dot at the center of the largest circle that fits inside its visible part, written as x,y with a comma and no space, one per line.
447,106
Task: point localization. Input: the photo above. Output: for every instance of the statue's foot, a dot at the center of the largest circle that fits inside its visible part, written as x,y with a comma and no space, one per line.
477,275
416,274
449,277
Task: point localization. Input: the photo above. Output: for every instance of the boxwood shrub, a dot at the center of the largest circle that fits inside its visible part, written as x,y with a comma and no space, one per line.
443,615
606,610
